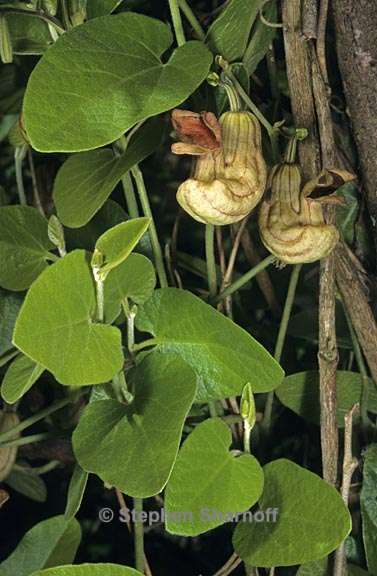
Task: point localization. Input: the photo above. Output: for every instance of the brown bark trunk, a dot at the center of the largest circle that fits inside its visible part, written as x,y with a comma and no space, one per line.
356,35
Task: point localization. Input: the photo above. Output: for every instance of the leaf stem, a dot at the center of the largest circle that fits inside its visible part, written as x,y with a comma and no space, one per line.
9,435
129,193
146,344
192,19
139,535
158,257
245,278
249,103
210,258
19,156
25,440
266,422
177,22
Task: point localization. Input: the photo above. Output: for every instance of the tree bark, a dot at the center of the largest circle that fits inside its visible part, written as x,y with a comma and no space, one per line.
356,41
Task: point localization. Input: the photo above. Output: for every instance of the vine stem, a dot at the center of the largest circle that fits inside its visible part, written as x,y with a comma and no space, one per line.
26,440
177,22
19,157
349,466
9,435
245,278
192,19
210,258
139,535
159,261
266,423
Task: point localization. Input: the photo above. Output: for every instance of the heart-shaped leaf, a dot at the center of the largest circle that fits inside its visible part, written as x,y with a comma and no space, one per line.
146,433
55,326
89,570
50,543
135,278
10,304
117,243
97,8
86,180
300,393
26,482
223,355
210,482
19,378
76,491
24,246
302,532
30,35
115,79
261,39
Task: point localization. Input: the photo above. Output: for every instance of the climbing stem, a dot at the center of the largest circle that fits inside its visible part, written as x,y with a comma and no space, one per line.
266,423
158,257
177,22
139,535
210,258
192,19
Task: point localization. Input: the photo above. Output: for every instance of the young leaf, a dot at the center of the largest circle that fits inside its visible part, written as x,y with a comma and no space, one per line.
116,244
55,326
223,355
91,103
302,532
146,433
210,482
300,393
230,32
24,246
27,483
76,491
19,378
368,505
50,543
90,570
135,278
86,180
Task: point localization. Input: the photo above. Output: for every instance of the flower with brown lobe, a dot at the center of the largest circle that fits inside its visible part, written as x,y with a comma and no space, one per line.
230,175
292,225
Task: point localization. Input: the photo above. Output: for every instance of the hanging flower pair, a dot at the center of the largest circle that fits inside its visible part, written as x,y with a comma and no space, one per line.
230,178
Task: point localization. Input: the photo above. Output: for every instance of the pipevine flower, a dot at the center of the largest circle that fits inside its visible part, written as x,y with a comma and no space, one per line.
292,225
229,175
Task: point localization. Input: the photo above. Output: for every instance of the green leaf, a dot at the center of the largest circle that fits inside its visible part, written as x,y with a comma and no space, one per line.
302,532
97,8
90,570
29,35
229,34
135,279
10,305
261,39
210,482
368,504
62,336
86,180
116,244
300,393
49,543
24,246
76,491
223,355
27,483
90,102
146,433
347,216
19,378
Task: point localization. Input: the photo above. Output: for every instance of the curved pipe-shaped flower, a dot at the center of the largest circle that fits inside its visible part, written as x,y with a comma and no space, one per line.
230,175
292,225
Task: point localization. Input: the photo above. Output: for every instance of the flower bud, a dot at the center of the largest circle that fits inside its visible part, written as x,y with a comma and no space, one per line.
292,225
230,173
